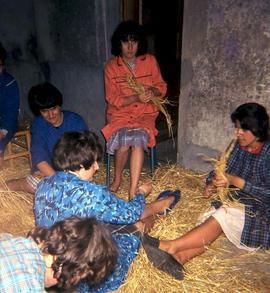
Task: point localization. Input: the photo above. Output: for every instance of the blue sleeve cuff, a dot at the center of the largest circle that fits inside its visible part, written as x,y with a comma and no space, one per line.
210,177
247,187
139,197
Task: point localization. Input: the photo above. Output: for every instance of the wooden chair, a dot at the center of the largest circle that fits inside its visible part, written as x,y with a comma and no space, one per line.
18,147
152,163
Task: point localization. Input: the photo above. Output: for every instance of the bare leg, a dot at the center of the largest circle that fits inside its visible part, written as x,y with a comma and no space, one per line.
121,156
192,243
20,185
1,160
146,224
188,254
136,163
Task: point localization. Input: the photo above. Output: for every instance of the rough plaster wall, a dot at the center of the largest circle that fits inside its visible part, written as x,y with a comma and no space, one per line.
65,42
74,43
225,62
17,32
77,31
83,95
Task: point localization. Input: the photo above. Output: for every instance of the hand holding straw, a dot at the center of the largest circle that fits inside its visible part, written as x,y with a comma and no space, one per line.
156,100
220,170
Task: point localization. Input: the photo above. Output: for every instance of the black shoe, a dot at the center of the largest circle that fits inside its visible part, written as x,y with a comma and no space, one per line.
161,259
147,239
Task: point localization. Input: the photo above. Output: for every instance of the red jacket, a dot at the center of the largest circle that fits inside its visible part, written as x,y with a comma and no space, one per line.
135,115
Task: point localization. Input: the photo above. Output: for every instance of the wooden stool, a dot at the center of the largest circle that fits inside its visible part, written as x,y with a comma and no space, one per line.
22,140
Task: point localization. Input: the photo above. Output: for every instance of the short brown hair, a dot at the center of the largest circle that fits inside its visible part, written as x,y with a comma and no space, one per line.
76,149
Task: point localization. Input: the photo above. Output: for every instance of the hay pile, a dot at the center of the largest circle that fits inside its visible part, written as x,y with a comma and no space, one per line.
223,268
16,207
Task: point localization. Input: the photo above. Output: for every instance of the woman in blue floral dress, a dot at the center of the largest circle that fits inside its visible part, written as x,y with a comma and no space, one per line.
71,192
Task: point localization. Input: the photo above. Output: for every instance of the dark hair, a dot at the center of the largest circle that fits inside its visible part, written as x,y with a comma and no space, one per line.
44,96
84,248
253,117
3,53
76,149
125,31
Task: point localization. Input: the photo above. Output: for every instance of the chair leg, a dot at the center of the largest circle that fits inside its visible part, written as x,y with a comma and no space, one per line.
28,143
108,171
9,149
153,160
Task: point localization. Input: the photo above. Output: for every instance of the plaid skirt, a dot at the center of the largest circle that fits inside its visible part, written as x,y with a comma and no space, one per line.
128,137
34,179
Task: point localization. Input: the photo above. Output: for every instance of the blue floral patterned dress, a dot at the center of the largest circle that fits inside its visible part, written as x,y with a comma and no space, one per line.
64,195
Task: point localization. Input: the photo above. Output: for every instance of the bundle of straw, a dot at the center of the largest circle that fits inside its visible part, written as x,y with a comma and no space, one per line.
220,169
16,210
156,100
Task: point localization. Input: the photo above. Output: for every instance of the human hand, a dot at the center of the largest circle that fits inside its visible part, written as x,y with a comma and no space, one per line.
145,188
235,181
146,96
220,180
3,133
208,190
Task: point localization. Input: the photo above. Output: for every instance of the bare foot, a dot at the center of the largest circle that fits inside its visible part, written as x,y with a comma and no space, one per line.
166,203
140,226
131,195
114,187
146,224
149,223
170,200
145,189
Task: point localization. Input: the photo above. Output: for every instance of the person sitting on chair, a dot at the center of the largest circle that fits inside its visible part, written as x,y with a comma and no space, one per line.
9,105
51,122
131,116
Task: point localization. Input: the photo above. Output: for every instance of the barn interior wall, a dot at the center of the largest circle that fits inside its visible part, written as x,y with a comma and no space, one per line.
64,42
225,62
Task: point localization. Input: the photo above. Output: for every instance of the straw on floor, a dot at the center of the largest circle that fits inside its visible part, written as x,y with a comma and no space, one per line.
223,268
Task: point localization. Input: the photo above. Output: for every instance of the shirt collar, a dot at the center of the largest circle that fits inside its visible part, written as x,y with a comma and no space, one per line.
120,61
255,151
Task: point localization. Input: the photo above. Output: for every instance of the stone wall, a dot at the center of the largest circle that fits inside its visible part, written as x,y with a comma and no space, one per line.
225,62
17,34
74,45
64,42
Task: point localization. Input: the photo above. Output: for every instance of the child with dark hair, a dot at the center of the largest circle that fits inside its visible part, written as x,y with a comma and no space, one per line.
71,192
44,96
51,122
9,105
131,117
246,224
63,255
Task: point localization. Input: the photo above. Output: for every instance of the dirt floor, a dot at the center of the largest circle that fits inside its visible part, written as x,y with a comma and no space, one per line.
223,268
